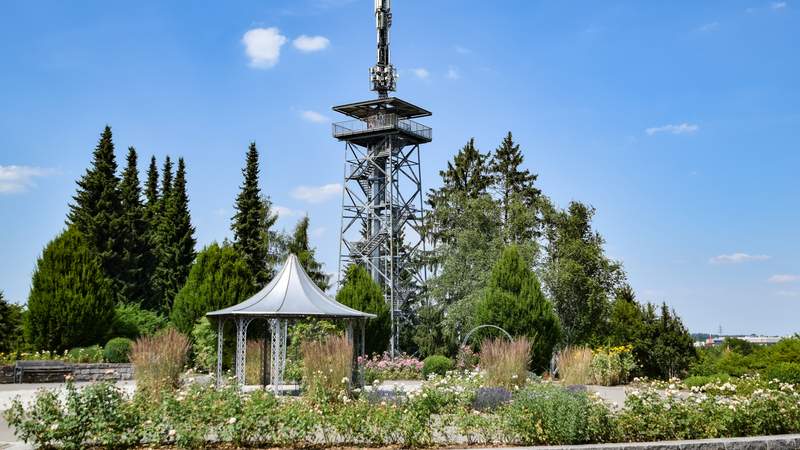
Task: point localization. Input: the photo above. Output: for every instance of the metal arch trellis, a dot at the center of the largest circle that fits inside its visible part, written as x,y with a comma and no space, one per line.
464,341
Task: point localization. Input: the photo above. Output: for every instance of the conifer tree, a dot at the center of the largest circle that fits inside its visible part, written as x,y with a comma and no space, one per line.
166,183
468,174
300,247
96,211
137,259
218,279
10,325
361,292
513,300
250,238
151,184
71,303
516,191
175,238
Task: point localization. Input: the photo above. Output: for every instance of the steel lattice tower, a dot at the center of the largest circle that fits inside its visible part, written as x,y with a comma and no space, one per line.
382,198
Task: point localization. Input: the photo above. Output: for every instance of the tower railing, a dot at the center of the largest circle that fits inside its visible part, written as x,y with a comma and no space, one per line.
381,122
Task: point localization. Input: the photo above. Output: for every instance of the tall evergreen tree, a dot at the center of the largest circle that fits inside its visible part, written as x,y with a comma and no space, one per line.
513,300
10,325
468,173
71,303
175,238
299,246
166,183
218,279
137,259
151,184
516,192
96,211
361,292
250,238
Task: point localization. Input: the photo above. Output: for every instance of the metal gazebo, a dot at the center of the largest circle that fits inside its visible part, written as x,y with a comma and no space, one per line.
291,295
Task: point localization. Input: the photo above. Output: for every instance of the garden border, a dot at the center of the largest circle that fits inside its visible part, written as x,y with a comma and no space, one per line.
80,372
773,442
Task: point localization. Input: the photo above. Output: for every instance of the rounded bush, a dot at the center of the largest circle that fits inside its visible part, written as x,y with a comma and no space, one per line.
118,350
436,364
787,372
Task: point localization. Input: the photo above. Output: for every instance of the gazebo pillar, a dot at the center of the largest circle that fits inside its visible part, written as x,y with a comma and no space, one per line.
278,347
241,347
220,327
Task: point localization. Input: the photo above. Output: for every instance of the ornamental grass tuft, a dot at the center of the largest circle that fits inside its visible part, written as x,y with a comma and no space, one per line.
505,363
158,361
575,365
327,367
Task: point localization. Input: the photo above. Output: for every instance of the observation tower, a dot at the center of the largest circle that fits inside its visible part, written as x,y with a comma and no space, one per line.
382,201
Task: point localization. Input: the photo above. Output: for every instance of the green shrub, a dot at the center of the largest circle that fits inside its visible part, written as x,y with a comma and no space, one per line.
612,365
118,350
93,354
131,321
787,372
436,364
204,345
702,380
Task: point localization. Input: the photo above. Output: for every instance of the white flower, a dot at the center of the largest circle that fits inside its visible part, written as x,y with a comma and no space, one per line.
345,380
232,421
171,433
54,426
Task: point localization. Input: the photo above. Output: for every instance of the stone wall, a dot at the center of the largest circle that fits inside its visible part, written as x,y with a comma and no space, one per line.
80,372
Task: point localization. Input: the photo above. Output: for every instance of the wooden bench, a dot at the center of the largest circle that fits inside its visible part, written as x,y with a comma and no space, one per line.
41,371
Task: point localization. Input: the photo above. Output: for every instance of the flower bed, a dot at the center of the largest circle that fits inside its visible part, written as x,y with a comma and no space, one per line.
383,368
451,410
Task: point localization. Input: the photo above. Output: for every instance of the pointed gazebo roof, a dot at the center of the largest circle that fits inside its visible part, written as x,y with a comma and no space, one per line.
291,294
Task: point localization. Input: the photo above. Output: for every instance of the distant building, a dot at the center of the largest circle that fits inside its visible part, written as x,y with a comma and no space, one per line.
753,339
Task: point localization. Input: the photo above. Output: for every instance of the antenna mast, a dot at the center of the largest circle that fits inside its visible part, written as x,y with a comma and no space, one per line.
383,75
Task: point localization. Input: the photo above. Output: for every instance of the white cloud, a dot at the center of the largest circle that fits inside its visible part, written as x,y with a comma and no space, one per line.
709,27
310,44
313,116
16,179
317,194
683,128
463,50
783,278
263,46
453,73
737,258
284,212
421,73
777,5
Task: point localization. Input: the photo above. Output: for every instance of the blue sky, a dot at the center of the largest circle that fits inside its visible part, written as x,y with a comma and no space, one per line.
677,120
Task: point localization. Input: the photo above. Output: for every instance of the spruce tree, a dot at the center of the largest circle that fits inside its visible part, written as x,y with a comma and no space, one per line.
96,211
516,191
513,300
137,259
166,184
361,292
300,247
250,238
151,184
175,239
218,279
468,174
71,303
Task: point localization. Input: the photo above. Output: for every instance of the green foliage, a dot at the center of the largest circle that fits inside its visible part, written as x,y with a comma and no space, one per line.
513,300
137,259
96,211
252,222
612,366
516,192
11,331
204,345
436,365
71,302
359,291
118,350
787,372
175,238
579,277
91,354
218,279
132,321
429,334
300,247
